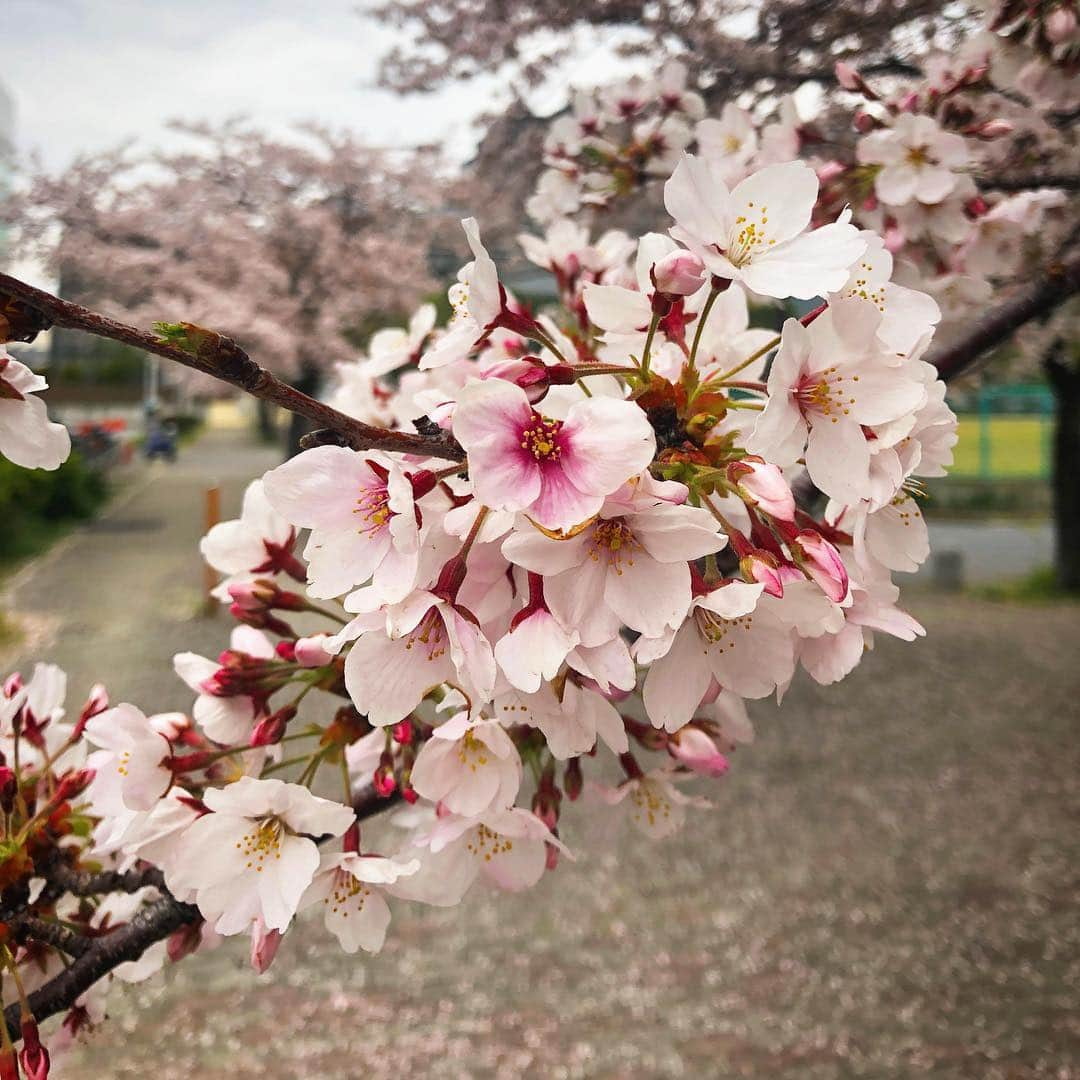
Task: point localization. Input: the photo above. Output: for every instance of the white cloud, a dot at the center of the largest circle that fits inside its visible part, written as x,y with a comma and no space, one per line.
89,74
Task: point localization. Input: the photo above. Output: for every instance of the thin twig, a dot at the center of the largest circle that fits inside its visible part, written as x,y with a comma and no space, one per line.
221,358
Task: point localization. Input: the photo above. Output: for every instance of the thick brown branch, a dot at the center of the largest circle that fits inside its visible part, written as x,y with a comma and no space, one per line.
1033,182
127,942
59,937
223,359
83,883
1049,289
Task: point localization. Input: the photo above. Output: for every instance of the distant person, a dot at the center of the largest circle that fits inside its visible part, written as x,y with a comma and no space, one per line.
160,440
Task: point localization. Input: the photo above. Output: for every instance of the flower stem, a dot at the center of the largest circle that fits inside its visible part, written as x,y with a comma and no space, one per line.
654,323
702,319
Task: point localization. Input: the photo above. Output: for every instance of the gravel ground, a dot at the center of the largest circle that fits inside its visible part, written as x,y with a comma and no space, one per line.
887,886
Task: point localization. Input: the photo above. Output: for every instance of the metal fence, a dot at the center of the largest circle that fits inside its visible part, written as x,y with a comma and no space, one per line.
1005,432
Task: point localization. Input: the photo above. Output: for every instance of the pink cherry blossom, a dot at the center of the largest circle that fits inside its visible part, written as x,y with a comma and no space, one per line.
362,515
558,471
348,890
134,757
624,568
733,636
426,641
918,160
469,766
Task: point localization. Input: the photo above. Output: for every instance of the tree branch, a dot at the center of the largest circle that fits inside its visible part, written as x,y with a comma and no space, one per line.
127,942
94,958
83,883
221,358
1052,287
51,933
1065,181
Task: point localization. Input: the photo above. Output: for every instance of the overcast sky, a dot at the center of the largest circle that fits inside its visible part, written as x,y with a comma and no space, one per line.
87,74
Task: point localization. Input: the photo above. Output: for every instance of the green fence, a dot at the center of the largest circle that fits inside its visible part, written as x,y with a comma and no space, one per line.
1005,432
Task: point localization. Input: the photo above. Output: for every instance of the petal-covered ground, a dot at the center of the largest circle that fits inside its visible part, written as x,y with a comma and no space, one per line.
889,885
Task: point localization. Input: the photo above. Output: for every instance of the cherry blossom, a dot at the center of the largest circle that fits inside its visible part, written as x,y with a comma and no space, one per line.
559,471
27,436
134,756
918,160
347,886
253,856
361,511
469,766
755,233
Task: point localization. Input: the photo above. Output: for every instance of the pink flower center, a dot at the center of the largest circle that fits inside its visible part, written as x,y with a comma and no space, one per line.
824,393
541,438
373,507
429,636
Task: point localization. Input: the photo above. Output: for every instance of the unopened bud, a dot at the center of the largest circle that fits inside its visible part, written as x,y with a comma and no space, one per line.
572,779
762,484
762,568
691,746
309,652
33,1057
1060,25
270,729
264,946
849,78
864,122
992,129
551,856
403,733
97,702
679,273
72,784
184,942
9,788
821,561
384,781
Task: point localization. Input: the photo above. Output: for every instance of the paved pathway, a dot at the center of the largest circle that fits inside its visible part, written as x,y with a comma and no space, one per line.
887,887
115,600
990,550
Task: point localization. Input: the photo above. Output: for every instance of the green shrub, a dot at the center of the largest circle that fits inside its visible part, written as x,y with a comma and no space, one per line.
35,506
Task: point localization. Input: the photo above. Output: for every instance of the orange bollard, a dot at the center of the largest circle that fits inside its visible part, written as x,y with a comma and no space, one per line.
210,578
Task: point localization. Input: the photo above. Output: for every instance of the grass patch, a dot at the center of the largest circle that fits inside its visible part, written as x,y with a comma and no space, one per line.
38,507
1016,446
1038,587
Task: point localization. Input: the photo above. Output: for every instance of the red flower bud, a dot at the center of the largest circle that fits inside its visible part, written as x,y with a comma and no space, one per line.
269,730
33,1056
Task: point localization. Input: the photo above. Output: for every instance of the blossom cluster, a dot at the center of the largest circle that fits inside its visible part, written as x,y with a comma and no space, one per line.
906,159
567,602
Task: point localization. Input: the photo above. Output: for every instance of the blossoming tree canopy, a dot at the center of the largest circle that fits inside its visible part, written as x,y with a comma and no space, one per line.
538,562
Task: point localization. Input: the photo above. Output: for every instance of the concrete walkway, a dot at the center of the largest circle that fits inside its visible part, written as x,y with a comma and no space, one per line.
887,886
116,599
